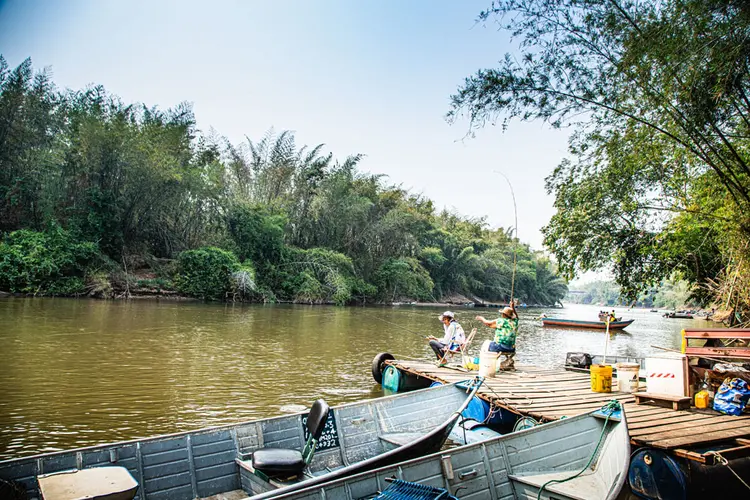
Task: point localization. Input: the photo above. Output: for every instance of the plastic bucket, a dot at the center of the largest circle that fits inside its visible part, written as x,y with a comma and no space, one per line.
487,361
627,377
601,378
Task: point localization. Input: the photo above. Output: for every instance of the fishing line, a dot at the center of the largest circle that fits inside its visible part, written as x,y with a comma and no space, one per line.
394,324
515,230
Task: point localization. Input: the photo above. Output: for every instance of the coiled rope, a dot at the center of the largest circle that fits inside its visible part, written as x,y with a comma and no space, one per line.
609,408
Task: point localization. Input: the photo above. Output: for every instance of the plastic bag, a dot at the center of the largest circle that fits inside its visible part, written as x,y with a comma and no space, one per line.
578,359
732,397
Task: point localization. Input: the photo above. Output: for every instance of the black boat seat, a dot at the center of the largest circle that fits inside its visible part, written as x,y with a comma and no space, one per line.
285,463
275,462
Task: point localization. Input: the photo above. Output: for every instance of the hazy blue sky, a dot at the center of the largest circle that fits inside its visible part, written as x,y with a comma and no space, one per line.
369,77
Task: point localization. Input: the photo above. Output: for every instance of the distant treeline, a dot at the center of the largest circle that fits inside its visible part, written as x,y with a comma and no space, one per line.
101,197
671,294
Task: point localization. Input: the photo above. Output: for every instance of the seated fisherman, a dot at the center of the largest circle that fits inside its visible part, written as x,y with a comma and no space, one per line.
506,328
453,338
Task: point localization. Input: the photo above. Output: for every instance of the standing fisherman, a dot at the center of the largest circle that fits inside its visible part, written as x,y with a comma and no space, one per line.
506,328
453,338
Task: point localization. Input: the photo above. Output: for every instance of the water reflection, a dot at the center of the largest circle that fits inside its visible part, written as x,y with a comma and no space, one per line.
80,372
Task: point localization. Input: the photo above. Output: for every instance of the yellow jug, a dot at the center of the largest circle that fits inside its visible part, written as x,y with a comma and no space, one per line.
701,399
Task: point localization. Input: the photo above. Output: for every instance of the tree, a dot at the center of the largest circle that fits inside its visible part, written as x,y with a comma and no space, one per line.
657,96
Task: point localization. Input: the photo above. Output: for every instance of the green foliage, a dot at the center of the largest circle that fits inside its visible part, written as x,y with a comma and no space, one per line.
403,278
48,263
206,273
146,185
657,95
257,233
317,275
670,294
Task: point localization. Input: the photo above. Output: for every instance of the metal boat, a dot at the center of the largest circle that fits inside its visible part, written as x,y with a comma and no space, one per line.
352,438
583,457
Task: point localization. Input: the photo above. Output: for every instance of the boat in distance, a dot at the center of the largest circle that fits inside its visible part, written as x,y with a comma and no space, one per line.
582,457
261,456
598,325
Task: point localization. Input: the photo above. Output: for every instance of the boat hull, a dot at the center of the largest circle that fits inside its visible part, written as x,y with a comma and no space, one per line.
206,462
594,325
513,466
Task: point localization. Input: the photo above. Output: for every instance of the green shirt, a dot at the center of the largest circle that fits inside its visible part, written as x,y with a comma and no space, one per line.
505,331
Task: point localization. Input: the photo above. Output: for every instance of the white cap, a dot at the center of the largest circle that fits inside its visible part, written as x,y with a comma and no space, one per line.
447,314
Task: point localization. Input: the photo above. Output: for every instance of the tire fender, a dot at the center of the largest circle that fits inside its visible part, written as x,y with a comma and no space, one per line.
378,365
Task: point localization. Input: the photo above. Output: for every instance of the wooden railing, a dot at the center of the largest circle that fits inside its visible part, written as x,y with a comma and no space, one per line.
715,347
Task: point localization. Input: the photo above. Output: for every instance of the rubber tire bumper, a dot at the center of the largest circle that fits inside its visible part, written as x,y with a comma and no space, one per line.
377,365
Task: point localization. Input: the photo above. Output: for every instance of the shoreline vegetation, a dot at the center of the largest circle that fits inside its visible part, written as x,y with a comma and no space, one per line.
105,199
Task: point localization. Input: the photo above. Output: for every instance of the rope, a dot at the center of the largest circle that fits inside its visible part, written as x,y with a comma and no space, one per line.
612,406
725,462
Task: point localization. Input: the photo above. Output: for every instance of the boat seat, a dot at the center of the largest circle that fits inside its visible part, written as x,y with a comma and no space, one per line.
282,462
585,487
401,438
279,461
102,483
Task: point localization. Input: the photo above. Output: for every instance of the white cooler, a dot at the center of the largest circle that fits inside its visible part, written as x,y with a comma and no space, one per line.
667,374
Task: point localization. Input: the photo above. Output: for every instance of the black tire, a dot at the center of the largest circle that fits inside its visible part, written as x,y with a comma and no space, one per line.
378,366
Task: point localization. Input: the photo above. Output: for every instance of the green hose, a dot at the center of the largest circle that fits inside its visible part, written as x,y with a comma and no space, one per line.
612,406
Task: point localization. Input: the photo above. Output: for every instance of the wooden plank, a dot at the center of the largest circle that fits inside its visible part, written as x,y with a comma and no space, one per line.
698,439
569,404
719,352
663,397
565,410
691,455
677,402
665,429
640,410
730,453
654,420
717,333
714,429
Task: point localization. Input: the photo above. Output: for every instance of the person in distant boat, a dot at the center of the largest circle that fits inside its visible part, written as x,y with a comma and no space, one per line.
506,328
612,317
453,338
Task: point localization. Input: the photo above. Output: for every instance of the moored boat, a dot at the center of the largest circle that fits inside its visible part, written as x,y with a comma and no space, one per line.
574,323
352,438
586,456
678,315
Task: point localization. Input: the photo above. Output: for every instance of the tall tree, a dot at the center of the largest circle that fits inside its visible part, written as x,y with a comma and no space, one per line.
657,95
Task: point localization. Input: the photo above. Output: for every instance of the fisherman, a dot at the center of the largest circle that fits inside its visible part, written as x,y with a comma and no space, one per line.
453,338
506,328
612,317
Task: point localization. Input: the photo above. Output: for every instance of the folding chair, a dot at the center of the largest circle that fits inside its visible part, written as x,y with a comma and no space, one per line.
462,349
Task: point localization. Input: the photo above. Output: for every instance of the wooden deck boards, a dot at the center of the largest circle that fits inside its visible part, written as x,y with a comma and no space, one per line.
548,394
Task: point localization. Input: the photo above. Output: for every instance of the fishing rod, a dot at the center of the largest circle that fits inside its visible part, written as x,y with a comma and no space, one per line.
515,230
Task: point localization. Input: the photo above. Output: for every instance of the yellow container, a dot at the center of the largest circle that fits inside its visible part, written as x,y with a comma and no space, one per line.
701,399
601,378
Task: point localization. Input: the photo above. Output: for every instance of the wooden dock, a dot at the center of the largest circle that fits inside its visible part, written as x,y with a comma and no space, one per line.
548,394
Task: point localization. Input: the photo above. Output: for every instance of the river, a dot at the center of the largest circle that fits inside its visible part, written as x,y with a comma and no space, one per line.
79,372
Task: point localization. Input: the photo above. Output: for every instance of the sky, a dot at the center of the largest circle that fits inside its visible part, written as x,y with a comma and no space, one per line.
371,77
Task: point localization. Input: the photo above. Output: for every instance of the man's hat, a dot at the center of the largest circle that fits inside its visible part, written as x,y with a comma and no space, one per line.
447,314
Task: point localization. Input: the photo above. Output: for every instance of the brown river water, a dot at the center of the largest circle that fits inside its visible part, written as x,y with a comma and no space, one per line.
76,372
